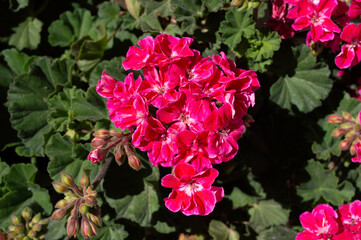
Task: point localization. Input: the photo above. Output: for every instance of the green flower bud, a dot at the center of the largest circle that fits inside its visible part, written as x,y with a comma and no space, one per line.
84,180
58,214
36,218
59,187
27,213
19,229
32,233
83,208
37,227
72,227
61,204
15,219
66,179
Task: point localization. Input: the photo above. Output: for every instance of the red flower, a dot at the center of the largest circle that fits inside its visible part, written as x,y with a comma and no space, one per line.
192,192
350,54
316,15
320,224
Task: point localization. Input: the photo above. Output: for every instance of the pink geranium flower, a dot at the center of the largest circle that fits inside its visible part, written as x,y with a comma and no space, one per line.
317,14
350,54
358,153
193,193
106,85
351,217
320,224
355,9
138,57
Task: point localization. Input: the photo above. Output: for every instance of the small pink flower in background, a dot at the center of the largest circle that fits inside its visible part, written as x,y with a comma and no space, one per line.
355,9
193,193
320,224
350,54
317,16
279,22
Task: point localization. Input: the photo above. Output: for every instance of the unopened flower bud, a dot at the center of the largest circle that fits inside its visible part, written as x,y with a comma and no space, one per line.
15,219
61,204
32,234
91,201
347,115
59,187
27,213
11,228
96,219
19,229
72,227
344,145
101,133
335,118
44,221
36,218
93,227
97,155
37,227
84,180
338,132
58,214
119,154
18,237
97,143
12,234
236,3
67,179
83,208
26,238
86,229
42,236
133,160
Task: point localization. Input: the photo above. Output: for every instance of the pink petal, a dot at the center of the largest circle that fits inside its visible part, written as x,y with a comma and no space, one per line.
170,181
355,9
301,23
348,33
177,200
345,57
106,85
183,169
205,202
206,178
305,235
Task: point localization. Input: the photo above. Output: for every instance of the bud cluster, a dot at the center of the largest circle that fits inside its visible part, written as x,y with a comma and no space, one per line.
105,140
27,226
350,129
79,201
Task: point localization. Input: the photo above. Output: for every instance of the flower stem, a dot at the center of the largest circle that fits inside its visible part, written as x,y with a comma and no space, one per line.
101,174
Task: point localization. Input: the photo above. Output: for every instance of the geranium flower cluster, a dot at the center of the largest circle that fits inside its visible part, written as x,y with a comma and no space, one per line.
327,224
324,19
350,128
186,112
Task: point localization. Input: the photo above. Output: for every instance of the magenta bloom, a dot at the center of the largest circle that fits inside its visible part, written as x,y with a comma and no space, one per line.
279,22
358,153
316,14
355,9
351,217
320,224
192,192
350,54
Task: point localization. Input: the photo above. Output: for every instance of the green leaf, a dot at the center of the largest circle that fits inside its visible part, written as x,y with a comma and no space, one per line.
59,150
263,46
56,230
277,233
138,208
188,15
219,231
324,184
26,34
161,7
150,23
350,105
4,169
112,67
164,228
59,106
88,52
89,105
22,192
28,100
213,5
239,198
109,14
6,75
237,24
17,61
309,84
71,26
328,145
110,232
267,213
20,4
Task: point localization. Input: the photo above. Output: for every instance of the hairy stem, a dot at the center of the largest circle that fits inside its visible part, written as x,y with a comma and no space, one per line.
101,174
